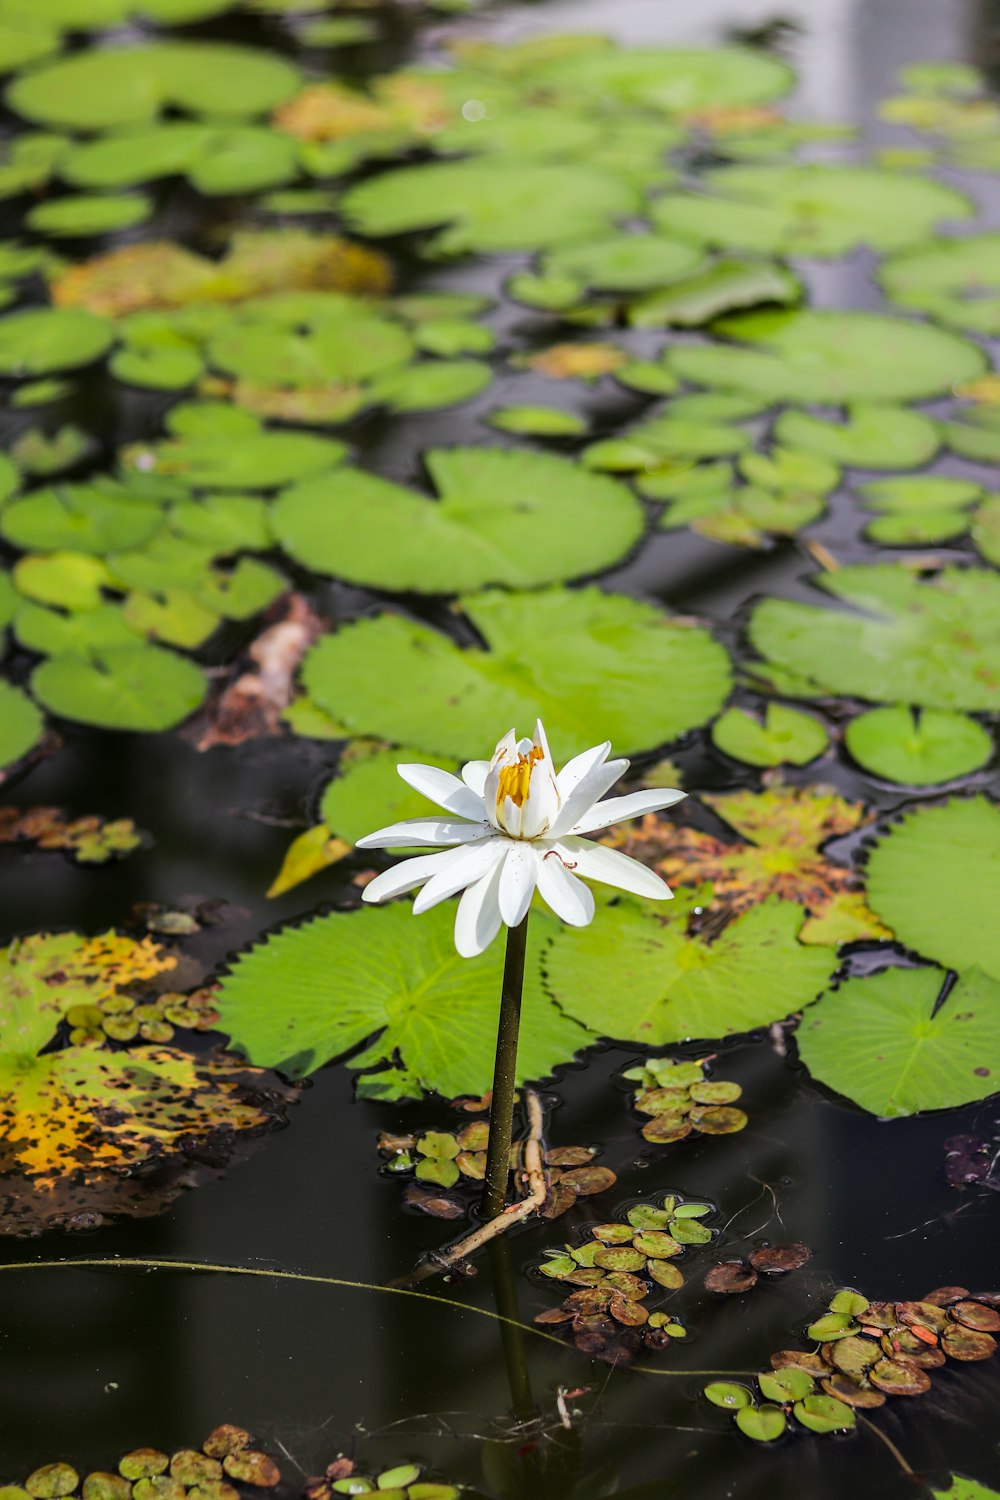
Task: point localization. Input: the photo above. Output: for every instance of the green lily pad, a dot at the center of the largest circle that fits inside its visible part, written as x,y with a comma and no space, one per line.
42,454
636,976
825,1414
216,160
899,746
368,792
985,529
830,357
425,387
350,974
624,262
515,207
583,660
81,632
537,421
880,1041
675,80
785,1385
762,1423
816,209
954,852
21,725
343,346
89,213
43,339
932,642
157,368
873,436
954,281
122,687
104,88
975,435
519,519
78,517
23,41
257,460
921,528
921,492
70,579
728,1395
961,1488
786,737
727,286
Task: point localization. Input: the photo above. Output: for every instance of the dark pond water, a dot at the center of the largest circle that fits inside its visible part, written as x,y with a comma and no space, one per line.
94,1362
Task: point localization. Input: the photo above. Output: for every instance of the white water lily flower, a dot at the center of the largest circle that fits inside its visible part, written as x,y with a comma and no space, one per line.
515,824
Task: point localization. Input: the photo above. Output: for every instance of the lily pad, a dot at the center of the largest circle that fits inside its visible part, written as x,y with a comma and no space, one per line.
427,386
89,213
900,746
954,281
727,286
93,517
830,357
515,207
786,737
537,421
368,791
21,724
953,851
624,263
932,642
381,970
873,436
676,80
636,976
518,519
816,209
583,660
216,160
258,460
884,1042
137,687
43,339
104,88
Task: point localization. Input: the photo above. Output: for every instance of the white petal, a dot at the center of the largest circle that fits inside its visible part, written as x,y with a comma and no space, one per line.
517,882
477,920
464,867
405,876
595,862
474,775
615,809
444,789
574,770
588,789
506,748
542,741
415,831
568,897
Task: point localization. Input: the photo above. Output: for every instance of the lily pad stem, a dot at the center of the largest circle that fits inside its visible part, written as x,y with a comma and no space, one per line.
505,1073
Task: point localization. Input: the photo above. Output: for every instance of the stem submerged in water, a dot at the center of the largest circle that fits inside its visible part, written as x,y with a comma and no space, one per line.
505,1073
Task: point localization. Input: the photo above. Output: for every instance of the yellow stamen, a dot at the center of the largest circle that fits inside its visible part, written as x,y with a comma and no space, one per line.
515,780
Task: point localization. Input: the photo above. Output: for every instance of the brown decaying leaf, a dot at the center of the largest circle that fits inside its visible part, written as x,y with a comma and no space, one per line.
574,361
784,828
91,839
252,705
161,274
777,1259
439,1205
730,1276
143,1473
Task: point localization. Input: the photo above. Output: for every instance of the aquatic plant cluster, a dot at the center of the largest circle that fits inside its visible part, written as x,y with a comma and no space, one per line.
238,256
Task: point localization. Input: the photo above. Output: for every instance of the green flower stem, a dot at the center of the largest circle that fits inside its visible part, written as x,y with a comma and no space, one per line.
505,1074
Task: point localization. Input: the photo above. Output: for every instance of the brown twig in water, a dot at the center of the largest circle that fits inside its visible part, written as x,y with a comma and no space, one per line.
532,1174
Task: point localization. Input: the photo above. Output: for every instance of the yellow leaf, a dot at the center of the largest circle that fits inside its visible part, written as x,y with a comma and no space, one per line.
311,852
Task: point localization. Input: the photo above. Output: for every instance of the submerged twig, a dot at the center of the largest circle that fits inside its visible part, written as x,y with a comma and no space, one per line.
889,1444
533,1175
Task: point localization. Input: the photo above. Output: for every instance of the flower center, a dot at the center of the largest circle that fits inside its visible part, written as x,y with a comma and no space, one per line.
515,780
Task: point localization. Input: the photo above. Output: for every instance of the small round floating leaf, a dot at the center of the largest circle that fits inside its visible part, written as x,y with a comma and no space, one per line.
880,1040
726,286
614,647
589,1180
399,1478
847,1390
713,1120
830,357
780,1258
52,1481
213,460
157,368
954,851
665,1274
520,519
657,1244
537,421
101,1486
226,1439
21,725
727,1394
428,386
824,1414
43,339
976,1315
143,1463
624,263
89,213
158,1487
250,1467
665,1128
832,1325
967,1343
762,1423
785,1385
920,528
102,88
721,1092
920,492
786,737
899,746
191,1467
899,1378
619,1258
139,687
872,437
